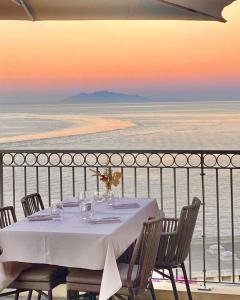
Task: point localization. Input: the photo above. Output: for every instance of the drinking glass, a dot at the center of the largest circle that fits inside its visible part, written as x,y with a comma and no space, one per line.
114,198
82,196
98,197
111,195
86,209
57,211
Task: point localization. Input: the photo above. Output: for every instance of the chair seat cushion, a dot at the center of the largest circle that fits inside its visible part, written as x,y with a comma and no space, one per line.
85,276
42,273
92,277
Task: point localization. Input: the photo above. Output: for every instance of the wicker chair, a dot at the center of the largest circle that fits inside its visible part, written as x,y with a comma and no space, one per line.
135,276
39,277
175,243
7,216
32,203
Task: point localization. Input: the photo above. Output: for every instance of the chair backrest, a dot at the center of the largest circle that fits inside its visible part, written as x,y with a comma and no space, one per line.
32,203
144,253
7,216
177,235
186,226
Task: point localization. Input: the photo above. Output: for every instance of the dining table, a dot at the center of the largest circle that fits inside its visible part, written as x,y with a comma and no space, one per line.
76,243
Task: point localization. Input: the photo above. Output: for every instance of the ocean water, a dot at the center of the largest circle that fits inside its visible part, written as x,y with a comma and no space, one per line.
184,125
139,126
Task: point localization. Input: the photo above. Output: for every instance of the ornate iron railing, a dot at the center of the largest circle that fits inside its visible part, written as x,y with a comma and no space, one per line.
172,177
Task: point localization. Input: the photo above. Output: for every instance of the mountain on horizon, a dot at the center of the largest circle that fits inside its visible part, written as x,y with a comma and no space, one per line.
104,96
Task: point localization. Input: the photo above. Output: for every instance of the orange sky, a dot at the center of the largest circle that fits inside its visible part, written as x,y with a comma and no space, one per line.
120,55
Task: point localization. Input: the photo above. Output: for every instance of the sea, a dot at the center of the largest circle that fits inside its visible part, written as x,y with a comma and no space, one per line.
190,125
151,125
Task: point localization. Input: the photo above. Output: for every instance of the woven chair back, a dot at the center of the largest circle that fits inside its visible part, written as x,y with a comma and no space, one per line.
7,216
187,222
31,204
177,235
145,253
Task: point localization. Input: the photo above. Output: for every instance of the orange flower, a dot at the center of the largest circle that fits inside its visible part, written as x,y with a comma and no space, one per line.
108,177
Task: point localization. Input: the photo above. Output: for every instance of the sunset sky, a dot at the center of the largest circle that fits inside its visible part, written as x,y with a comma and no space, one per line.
161,59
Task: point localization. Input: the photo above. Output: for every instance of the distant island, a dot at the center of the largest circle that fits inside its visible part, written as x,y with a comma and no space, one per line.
104,96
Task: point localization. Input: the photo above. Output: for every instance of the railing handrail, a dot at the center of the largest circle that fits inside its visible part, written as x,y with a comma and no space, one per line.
167,151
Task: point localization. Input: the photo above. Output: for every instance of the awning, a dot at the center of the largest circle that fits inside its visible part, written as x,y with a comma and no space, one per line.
37,10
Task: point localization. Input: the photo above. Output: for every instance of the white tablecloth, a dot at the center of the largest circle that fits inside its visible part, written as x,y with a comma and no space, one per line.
75,243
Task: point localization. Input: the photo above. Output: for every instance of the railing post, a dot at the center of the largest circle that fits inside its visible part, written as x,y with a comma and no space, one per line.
202,174
1,180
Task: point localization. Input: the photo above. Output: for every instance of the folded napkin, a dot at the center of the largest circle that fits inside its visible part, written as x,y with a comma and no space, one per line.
125,205
70,202
104,220
40,218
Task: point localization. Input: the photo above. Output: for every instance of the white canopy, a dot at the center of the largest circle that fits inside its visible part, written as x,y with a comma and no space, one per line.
37,10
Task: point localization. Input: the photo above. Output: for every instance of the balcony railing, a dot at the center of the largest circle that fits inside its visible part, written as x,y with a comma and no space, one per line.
172,177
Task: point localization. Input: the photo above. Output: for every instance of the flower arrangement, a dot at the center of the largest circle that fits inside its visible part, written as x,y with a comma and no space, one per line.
108,177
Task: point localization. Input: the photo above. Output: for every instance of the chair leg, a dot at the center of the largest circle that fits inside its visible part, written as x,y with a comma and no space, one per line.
151,288
17,295
29,297
50,295
186,281
173,283
68,294
39,295
131,294
74,295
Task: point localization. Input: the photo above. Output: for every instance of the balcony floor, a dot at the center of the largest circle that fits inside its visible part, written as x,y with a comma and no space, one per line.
163,291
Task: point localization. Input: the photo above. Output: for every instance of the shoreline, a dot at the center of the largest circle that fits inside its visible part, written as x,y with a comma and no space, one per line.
91,125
